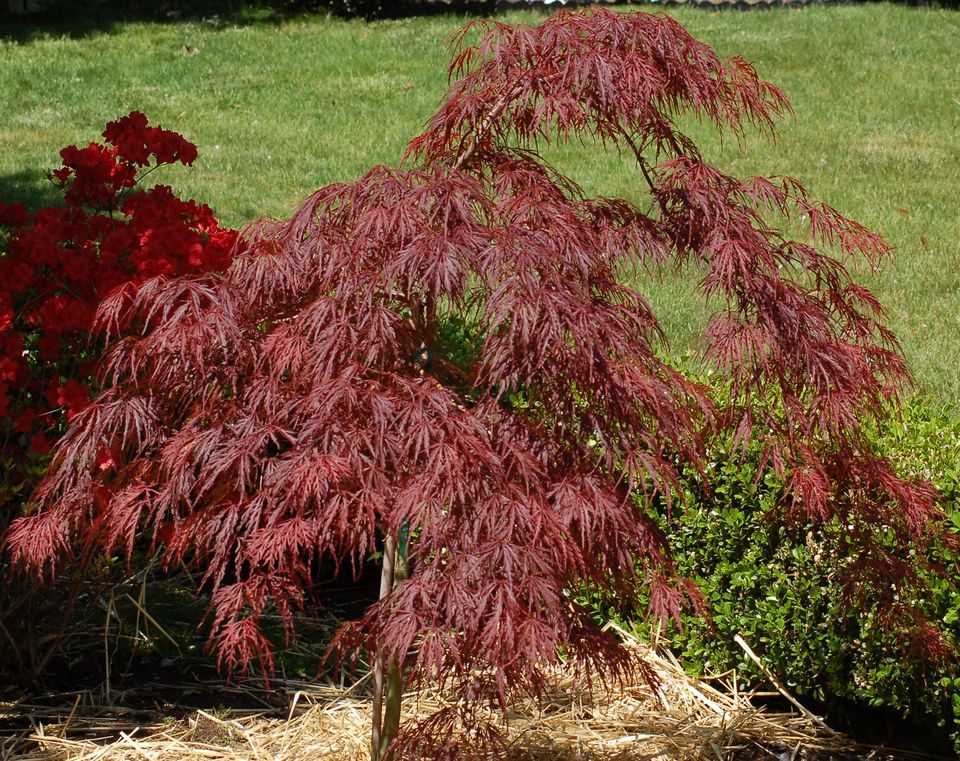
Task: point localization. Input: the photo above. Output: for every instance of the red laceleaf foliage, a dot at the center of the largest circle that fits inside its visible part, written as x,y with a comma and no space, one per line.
58,264
447,349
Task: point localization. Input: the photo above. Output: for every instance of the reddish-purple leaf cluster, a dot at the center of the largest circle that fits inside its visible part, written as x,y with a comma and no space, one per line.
311,399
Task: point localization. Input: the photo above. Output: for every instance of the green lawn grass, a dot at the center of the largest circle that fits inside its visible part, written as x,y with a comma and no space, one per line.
281,108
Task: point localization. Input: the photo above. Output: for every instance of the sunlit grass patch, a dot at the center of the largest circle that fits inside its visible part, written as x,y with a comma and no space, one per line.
279,109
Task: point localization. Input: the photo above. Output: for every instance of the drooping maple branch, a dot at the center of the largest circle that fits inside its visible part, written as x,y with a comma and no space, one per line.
642,164
475,139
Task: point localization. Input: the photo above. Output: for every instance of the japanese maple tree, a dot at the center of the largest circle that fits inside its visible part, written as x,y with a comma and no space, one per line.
442,361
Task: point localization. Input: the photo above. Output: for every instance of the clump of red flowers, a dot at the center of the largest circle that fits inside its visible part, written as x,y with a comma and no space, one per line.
57,264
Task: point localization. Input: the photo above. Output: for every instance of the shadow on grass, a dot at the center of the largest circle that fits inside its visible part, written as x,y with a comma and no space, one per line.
82,18
30,188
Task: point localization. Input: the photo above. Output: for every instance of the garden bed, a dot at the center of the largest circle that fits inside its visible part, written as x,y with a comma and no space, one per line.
679,717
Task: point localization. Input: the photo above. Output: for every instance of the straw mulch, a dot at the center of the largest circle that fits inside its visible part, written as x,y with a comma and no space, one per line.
682,718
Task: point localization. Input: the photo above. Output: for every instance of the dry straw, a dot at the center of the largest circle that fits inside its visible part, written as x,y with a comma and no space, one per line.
682,718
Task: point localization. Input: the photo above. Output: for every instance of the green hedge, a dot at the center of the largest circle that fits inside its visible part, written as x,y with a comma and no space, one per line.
775,587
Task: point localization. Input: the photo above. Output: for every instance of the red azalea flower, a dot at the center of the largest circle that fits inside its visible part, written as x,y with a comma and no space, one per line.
10,369
105,460
39,444
62,174
129,135
15,275
49,346
14,215
25,420
6,312
71,396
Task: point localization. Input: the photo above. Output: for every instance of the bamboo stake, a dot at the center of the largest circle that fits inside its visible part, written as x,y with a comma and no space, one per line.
386,585
394,697
777,683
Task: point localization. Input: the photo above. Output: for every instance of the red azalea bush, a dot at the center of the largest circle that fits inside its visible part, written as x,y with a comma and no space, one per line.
56,266
59,263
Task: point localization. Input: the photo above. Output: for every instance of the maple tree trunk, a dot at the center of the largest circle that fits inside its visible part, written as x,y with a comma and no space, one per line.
386,584
394,696
386,703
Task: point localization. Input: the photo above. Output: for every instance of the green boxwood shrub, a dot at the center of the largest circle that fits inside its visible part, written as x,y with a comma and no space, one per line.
779,589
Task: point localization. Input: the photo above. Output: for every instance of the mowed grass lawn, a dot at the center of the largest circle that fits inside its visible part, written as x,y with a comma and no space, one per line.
279,109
